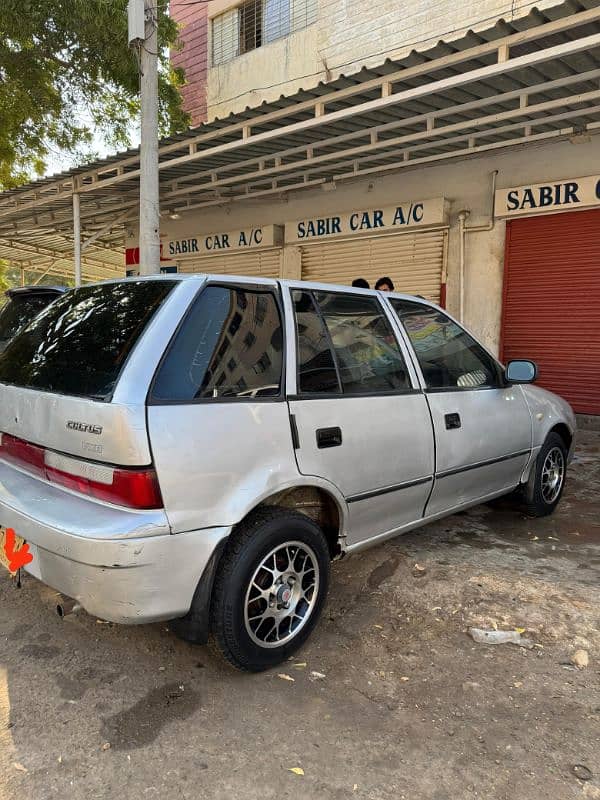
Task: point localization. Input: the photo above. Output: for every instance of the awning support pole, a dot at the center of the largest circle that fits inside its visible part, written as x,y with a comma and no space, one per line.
108,226
77,237
46,271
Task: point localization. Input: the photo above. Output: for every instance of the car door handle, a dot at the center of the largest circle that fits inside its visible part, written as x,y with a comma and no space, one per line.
329,437
452,421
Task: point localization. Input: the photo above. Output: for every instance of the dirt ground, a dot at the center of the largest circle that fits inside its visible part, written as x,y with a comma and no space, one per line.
409,707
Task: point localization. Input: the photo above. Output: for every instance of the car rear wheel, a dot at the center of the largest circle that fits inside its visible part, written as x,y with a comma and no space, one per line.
270,588
543,490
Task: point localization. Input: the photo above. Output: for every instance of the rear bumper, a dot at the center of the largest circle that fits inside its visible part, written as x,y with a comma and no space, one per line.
120,565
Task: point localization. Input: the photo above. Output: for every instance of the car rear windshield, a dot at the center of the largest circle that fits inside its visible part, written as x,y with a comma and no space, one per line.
21,309
79,344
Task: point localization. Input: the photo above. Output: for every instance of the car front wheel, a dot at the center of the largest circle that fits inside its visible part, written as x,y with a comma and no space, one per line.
270,588
546,483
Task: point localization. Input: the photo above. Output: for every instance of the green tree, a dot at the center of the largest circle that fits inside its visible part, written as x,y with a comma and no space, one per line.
4,281
66,71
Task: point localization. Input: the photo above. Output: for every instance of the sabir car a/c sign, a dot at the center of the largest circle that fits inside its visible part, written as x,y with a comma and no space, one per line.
553,196
402,216
206,244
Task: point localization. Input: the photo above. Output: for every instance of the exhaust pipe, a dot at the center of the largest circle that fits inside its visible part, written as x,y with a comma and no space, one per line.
66,606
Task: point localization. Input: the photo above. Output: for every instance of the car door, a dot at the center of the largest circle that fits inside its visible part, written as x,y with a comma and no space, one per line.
482,425
218,421
362,421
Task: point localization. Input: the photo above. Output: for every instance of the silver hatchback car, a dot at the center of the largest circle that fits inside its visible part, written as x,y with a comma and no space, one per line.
200,448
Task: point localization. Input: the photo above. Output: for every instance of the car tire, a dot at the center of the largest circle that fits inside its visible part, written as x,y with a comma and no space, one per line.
542,492
270,588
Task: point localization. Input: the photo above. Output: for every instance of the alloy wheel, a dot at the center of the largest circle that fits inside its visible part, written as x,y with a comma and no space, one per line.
282,594
553,474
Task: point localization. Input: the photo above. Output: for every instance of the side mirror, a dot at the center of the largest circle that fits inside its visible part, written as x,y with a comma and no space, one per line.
521,372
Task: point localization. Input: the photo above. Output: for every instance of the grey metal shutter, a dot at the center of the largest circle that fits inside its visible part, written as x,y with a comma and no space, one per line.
414,261
256,263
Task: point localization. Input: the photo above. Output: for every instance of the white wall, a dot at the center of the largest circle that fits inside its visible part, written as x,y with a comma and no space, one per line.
347,35
264,74
464,183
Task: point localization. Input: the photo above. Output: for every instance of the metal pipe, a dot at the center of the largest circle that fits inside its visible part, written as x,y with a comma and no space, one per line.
463,230
462,218
66,606
77,237
46,271
487,226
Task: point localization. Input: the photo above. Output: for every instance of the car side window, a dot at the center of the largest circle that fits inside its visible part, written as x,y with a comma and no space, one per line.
449,357
317,372
229,346
367,354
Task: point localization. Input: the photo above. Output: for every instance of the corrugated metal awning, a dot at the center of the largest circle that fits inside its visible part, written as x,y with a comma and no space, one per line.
534,79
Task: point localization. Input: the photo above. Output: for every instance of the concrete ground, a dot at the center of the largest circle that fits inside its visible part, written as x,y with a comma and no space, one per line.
409,706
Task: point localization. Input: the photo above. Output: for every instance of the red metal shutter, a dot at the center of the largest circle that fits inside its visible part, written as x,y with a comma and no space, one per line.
551,304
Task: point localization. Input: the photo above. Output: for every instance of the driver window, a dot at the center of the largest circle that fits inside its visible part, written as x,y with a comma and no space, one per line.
448,356
365,347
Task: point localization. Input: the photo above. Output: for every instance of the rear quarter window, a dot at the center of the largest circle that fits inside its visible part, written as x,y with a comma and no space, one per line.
20,310
230,346
79,344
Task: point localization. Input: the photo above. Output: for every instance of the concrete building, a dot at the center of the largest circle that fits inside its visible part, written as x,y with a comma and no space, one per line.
489,234
192,56
464,164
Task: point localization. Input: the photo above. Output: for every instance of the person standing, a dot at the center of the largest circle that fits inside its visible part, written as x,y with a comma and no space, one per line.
385,284
360,283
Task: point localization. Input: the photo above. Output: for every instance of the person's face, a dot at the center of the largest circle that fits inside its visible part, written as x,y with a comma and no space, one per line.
385,287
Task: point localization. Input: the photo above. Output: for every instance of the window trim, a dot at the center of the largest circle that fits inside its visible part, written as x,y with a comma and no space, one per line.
502,384
297,346
356,395
258,288
298,395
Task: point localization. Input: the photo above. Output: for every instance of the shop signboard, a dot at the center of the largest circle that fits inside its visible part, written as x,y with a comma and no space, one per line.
195,244
400,217
570,194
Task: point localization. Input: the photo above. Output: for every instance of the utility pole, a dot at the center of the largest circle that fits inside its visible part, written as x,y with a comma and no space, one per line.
149,198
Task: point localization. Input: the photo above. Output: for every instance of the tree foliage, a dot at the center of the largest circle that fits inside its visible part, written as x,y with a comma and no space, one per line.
4,280
66,70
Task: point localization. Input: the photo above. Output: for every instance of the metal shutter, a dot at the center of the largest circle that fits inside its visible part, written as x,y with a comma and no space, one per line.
551,307
257,263
414,261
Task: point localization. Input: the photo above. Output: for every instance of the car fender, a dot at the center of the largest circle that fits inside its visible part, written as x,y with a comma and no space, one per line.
547,411
299,481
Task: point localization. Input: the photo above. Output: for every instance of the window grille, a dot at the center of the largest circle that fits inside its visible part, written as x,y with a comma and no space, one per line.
258,22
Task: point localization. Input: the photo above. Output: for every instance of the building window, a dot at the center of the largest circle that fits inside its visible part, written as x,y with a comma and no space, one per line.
263,364
258,22
261,310
235,324
250,25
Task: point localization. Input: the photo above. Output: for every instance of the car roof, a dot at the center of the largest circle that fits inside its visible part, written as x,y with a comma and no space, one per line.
259,281
29,291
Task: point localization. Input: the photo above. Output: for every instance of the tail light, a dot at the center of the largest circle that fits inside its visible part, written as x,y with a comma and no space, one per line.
134,488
